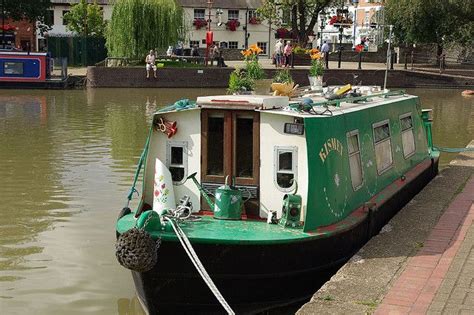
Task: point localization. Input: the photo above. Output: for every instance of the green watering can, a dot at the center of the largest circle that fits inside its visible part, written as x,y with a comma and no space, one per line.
228,204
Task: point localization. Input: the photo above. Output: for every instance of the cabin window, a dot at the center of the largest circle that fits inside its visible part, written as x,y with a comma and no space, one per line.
285,164
15,68
215,149
408,138
383,146
177,160
355,163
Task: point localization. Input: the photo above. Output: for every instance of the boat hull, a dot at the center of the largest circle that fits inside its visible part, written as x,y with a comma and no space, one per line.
253,278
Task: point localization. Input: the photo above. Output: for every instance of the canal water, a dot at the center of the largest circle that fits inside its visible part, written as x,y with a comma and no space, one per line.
67,160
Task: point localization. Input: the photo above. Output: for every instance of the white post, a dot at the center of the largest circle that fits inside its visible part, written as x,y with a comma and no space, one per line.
389,54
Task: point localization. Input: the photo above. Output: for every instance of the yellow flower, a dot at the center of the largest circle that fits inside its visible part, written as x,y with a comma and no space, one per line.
316,56
255,49
313,51
246,52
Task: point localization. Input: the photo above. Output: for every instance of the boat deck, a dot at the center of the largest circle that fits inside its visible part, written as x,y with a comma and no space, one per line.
211,231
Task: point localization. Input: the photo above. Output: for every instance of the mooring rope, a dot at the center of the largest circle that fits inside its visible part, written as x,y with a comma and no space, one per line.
183,239
454,150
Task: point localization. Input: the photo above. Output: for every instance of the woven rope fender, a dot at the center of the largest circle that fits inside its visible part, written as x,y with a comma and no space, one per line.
136,250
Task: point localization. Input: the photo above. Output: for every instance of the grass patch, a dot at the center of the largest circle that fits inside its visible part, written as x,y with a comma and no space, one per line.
327,298
371,304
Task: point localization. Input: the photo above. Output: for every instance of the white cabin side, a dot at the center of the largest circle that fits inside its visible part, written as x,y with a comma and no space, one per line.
273,140
188,137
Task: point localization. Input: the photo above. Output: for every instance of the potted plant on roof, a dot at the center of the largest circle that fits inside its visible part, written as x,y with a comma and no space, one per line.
255,71
316,70
283,83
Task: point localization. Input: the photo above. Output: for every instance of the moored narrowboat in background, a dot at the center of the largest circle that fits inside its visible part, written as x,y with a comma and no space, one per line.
262,197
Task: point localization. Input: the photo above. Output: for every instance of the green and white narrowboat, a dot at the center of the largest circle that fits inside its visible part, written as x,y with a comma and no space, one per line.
261,198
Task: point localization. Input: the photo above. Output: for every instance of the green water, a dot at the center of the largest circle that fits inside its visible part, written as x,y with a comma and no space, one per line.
67,159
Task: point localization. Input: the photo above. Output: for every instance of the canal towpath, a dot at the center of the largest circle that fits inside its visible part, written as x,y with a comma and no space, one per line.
422,261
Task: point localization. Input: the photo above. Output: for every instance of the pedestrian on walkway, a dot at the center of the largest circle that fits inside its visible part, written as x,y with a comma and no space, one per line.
150,63
279,53
325,50
288,51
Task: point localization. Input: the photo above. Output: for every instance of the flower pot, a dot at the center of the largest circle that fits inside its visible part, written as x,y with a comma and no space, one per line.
262,86
316,83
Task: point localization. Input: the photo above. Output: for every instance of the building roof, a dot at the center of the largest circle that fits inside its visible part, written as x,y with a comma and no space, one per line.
222,4
101,2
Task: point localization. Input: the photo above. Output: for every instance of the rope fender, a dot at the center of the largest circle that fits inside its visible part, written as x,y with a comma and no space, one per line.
136,250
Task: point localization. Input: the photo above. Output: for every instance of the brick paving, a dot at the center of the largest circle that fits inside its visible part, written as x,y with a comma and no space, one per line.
440,278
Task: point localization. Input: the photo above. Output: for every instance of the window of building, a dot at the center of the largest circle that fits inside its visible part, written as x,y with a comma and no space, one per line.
286,168
194,42
177,160
285,17
263,46
253,14
355,163
233,45
49,17
203,41
200,14
233,14
408,138
14,68
64,12
383,146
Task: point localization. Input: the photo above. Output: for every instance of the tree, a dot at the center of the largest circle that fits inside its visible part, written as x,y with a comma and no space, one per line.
304,15
32,10
436,21
139,25
85,19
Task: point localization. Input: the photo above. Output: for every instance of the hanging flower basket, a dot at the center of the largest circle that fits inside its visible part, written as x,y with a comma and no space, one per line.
199,23
283,33
7,28
232,25
255,20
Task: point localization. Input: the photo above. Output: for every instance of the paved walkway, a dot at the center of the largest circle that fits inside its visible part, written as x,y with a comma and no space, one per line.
440,278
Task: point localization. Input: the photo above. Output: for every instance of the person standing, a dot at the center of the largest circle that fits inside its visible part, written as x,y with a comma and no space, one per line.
150,64
288,51
216,54
278,53
325,51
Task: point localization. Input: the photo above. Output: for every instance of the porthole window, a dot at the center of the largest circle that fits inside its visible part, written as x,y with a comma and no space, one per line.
177,160
383,146
408,138
355,163
285,166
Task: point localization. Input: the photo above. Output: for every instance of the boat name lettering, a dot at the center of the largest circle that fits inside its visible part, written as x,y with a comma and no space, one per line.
331,144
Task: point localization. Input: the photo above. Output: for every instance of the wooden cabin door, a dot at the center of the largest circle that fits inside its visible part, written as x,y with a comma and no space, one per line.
230,142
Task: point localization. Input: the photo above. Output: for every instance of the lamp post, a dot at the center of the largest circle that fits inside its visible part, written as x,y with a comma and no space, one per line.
209,35
246,34
355,3
321,28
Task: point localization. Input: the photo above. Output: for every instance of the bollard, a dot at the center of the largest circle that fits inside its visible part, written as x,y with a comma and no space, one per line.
412,55
326,57
360,61
339,58
392,56
406,61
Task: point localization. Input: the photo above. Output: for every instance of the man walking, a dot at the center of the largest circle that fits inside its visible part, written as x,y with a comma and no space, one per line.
278,53
325,51
150,64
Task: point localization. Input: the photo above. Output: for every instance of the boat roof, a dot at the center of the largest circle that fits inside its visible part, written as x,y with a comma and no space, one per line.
282,105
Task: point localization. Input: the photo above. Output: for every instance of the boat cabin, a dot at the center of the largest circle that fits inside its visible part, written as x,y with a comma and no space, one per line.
335,155
19,66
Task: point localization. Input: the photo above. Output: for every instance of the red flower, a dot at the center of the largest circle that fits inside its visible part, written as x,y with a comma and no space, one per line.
232,25
199,23
254,20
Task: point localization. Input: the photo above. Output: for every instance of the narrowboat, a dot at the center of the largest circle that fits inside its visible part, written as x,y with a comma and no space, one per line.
255,200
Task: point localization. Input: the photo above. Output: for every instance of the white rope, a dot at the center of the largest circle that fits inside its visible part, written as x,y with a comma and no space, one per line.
183,239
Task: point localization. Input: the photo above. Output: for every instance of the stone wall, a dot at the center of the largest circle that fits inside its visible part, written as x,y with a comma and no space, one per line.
218,78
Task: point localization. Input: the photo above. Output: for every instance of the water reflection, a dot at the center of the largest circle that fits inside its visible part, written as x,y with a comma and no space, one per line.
453,113
67,159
